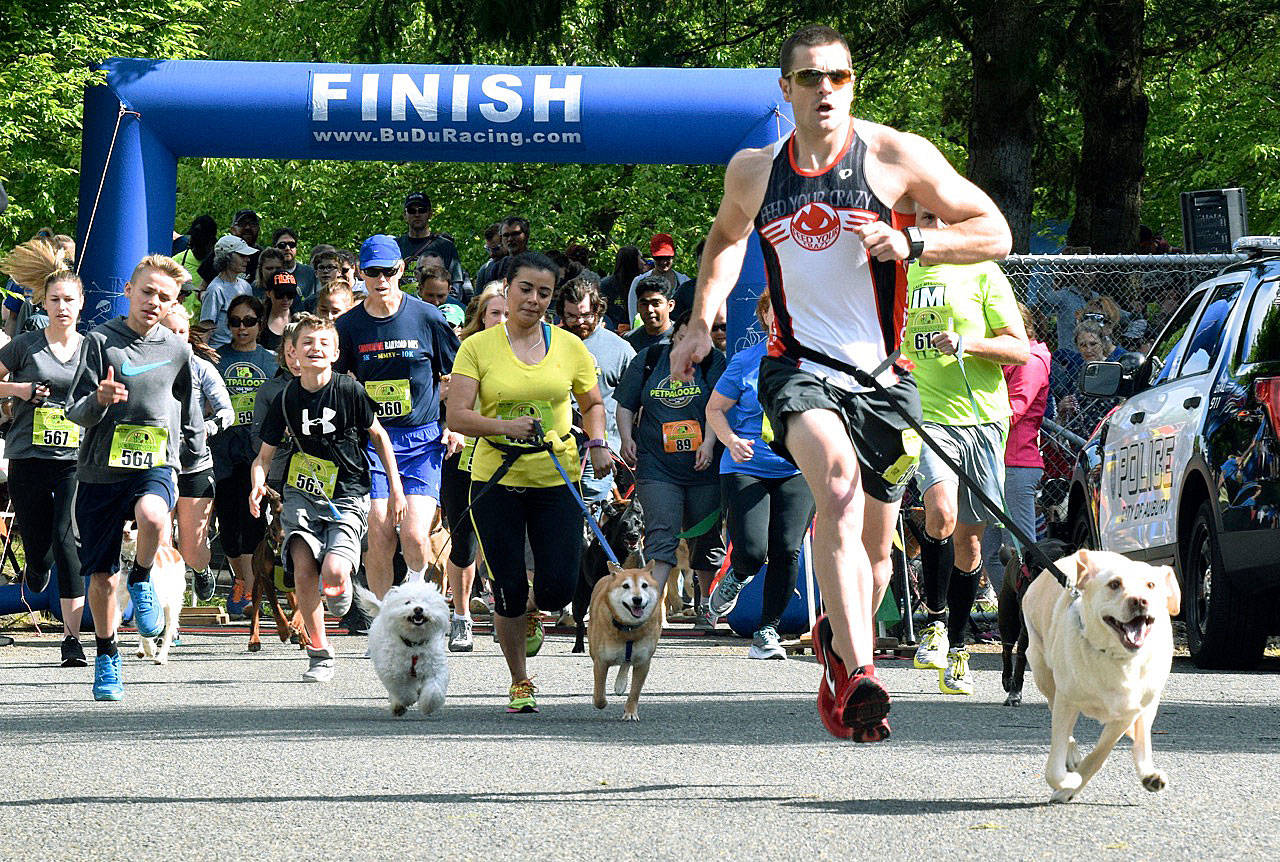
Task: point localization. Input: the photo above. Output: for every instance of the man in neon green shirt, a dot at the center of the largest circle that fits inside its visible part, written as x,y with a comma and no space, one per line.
962,325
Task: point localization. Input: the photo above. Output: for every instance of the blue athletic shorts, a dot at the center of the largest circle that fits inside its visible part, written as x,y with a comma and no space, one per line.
419,458
103,508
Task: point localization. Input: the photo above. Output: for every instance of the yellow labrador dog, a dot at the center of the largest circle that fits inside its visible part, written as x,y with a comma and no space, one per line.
1105,650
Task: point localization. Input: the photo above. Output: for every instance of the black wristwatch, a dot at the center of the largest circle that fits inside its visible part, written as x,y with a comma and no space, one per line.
915,237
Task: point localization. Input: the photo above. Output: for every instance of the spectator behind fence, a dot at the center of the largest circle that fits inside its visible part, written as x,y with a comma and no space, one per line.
1093,342
1024,466
1072,293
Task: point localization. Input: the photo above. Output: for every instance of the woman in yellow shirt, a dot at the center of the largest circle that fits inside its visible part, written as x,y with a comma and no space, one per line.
507,381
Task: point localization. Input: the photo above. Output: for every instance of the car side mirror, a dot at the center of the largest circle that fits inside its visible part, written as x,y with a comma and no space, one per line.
1101,378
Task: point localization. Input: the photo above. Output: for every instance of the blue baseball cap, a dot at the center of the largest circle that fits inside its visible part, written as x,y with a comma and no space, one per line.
379,250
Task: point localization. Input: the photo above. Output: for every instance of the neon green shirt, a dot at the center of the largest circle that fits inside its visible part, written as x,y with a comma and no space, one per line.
974,300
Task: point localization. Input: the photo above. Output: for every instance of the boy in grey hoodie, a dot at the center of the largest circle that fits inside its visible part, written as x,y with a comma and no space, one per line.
132,392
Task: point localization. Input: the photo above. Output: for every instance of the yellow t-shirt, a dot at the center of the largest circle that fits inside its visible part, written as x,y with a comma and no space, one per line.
510,388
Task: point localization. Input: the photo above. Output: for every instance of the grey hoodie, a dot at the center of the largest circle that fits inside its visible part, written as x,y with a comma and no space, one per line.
156,369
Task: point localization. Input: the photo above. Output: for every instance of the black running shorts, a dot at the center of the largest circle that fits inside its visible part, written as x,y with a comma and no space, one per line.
887,448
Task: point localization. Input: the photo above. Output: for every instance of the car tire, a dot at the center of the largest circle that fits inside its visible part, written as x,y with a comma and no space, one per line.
1081,531
1221,630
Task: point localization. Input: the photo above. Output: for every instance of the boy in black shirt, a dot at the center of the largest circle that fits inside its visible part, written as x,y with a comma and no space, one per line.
326,494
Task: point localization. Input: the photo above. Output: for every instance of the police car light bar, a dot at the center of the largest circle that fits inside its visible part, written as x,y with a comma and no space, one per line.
1256,244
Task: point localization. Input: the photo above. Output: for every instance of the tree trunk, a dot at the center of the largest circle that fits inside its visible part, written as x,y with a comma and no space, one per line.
1114,109
1003,124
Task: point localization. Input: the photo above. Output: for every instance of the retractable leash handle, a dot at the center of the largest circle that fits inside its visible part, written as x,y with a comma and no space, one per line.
1034,555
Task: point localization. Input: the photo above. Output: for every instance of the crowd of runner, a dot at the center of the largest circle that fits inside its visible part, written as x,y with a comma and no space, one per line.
369,387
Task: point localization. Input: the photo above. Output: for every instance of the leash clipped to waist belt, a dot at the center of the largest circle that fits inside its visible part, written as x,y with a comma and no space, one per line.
551,444
1035,556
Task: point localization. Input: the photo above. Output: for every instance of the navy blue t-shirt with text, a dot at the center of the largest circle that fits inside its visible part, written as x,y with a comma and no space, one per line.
399,359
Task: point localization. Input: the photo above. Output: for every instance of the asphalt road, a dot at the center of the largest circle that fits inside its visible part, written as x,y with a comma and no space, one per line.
228,755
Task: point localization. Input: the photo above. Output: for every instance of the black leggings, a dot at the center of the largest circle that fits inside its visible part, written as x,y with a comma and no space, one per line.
767,519
43,493
455,488
238,531
551,518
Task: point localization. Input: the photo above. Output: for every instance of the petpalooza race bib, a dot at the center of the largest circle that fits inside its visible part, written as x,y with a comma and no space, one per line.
391,398
51,427
138,447
684,435
314,476
243,405
540,410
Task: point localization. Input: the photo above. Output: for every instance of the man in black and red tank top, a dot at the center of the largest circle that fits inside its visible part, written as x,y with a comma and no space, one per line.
832,204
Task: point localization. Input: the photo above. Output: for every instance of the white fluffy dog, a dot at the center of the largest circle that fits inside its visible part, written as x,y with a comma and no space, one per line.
407,645
168,582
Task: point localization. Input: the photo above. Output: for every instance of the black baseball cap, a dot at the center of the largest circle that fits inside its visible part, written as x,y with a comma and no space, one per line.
417,199
244,216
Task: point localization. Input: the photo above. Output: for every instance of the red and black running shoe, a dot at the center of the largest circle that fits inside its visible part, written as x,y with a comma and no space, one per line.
851,707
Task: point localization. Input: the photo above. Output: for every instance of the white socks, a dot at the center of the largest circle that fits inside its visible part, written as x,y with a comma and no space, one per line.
414,577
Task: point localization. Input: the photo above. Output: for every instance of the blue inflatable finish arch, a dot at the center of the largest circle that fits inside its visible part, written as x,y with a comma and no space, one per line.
181,108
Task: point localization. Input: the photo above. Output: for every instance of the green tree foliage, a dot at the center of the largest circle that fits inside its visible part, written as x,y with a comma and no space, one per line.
1211,78
47,49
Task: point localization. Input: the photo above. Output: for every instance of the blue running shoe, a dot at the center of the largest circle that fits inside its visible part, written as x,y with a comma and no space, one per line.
106,678
146,613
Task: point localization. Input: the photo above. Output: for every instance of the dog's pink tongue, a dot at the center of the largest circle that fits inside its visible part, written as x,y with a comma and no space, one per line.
1136,631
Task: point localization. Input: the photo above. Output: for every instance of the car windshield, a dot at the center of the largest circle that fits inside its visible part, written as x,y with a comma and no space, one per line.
1265,299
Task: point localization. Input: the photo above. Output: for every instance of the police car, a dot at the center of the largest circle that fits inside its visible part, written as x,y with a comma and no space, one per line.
1186,470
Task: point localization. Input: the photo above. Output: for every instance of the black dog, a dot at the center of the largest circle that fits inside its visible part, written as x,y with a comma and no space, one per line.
1013,629
622,523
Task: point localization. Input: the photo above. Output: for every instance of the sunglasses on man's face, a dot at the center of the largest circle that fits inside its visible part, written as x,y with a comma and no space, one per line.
284,243
380,271
719,327
417,210
813,77
237,322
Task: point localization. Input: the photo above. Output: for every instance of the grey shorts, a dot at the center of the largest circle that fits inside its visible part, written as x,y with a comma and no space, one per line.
669,509
979,450
312,521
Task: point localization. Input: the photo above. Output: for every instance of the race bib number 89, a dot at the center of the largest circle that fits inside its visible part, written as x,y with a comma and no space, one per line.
684,435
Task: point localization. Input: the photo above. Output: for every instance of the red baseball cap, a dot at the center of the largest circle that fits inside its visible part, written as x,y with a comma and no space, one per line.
662,245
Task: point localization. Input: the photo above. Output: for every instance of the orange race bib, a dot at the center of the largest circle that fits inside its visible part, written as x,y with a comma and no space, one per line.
684,435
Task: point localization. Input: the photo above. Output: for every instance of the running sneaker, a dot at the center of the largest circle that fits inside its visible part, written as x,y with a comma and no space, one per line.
725,596
956,679
147,618
851,707
703,620
480,607
203,584
932,652
106,678
460,635
522,699
321,665
73,653
533,640
765,645
240,599
337,597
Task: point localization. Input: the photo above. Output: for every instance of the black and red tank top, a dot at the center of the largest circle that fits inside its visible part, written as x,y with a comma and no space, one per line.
830,298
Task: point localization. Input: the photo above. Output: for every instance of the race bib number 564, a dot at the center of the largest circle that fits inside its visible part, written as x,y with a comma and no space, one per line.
138,447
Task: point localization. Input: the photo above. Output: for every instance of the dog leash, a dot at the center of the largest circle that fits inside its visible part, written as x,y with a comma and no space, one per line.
1034,554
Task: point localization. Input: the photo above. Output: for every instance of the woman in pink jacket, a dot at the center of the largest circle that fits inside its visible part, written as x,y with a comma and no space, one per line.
1028,396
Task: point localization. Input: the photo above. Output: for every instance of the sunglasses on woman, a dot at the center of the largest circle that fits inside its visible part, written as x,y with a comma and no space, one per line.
813,77
237,322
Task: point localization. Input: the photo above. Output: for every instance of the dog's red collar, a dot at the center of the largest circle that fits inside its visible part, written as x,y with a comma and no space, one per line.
413,666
